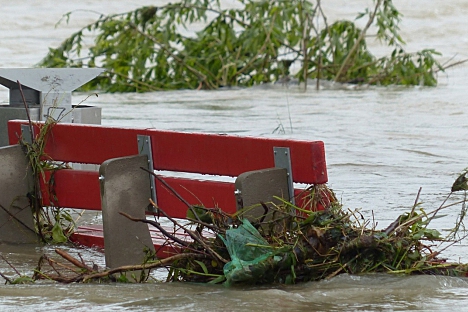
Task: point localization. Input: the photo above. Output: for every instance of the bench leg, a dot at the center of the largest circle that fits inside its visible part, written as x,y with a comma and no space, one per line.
16,181
125,188
260,186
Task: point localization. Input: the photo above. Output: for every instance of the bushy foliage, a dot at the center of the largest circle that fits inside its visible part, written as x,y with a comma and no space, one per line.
154,48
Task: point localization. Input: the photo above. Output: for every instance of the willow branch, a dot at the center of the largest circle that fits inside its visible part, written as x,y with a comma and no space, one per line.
358,41
197,73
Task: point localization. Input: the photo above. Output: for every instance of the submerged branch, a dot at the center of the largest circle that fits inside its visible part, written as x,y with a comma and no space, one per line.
90,274
146,266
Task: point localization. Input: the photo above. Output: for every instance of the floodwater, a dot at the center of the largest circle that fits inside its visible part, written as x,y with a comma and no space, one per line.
382,145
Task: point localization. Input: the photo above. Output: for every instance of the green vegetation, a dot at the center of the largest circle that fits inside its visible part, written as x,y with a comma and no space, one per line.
53,223
151,48
308,245
312,245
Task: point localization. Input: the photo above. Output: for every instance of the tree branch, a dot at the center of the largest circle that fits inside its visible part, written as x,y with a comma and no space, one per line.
342,70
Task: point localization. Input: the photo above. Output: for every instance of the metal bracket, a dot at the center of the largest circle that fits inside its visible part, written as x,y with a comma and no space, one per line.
26,133
283,160
144,148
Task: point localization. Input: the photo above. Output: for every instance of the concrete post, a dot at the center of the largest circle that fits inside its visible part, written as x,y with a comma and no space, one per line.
125,188
258,186
16,181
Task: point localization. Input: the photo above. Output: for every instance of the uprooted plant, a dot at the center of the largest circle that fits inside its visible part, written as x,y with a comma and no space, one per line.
154,48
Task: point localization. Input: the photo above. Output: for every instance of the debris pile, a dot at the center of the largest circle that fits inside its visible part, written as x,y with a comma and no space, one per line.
298,244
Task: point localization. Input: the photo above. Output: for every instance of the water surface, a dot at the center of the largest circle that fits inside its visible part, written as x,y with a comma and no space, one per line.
382,145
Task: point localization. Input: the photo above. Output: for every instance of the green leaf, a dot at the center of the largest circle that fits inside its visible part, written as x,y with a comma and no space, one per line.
218,280
203,214
23,280
432,234
57,234
123,278
460,183
202,265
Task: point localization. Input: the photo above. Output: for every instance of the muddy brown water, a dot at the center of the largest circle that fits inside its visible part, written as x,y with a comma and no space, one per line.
382,145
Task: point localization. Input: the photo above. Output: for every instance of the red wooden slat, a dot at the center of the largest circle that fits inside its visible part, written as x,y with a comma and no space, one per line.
211,194
83,143
233,155
80,189
73,189
93,236
186,152
90,236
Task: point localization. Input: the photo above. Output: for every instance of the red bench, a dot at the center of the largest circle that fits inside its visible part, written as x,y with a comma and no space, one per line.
209,154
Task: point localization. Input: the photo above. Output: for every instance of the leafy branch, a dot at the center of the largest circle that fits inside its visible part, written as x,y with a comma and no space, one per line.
151,48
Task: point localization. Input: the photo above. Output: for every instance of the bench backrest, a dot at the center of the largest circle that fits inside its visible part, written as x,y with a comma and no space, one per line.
213,154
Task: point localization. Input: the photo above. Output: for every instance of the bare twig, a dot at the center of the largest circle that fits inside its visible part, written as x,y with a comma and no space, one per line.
90,274
10,265
6,278
196,236
53,263
170,188
158,226
72,260
192,234
146,266
452,243
333,274
26,108
415,203
444,67
174,221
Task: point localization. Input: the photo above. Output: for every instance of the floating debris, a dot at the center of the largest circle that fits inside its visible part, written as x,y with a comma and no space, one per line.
289,248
